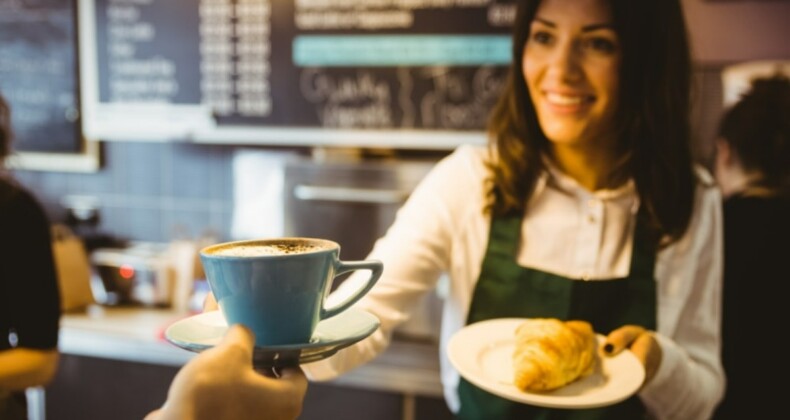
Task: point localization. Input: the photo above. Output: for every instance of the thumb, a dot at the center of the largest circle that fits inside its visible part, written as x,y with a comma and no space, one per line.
240,339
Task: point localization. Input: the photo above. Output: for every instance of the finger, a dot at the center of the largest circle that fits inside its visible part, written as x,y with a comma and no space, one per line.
621,338
291,372
238,342
641,346
153,415
296,378
292,381
209,303
647,350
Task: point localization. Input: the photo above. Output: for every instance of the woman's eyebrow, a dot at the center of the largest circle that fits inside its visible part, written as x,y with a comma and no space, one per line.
597,26
586,28
546,22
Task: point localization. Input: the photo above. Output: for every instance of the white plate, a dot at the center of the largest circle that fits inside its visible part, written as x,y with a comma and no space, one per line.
204,331
482,353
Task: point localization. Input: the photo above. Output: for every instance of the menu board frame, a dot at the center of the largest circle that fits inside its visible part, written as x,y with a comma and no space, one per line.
109,121
84,154
88,159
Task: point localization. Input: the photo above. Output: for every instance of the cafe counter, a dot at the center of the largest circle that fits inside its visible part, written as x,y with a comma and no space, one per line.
403,376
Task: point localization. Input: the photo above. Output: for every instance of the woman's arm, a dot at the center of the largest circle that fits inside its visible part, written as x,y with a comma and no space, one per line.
689,383
416,250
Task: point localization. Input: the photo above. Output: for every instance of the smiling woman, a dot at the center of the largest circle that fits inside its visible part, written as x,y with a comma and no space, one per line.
571,64
585,206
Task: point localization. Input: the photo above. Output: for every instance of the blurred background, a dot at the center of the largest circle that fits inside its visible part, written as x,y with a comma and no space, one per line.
150,129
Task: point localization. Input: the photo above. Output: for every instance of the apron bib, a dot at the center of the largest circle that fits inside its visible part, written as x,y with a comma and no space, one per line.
506,289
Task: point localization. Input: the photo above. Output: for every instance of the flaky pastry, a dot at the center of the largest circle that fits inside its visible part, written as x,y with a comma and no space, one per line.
550,353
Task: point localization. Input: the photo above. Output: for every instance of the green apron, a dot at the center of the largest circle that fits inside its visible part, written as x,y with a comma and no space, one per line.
506,289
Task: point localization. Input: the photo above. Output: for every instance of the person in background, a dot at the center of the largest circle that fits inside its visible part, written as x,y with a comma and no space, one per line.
217,384
220,383
29,295
586,205
752,166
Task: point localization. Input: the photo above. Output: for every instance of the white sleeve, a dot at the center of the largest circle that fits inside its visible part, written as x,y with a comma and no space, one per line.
690,380
415,252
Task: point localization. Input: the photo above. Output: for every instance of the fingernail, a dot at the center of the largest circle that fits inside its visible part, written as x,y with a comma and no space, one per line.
608,348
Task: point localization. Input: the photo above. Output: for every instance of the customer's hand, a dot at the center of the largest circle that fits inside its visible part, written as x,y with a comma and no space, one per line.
641,342
220,383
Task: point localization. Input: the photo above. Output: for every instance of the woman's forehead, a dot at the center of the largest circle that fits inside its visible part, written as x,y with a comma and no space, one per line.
575,12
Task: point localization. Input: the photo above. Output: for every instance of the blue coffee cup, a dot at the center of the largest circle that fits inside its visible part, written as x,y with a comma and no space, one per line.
278,287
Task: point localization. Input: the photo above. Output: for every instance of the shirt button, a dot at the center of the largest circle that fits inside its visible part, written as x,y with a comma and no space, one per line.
592,203
591,218
585,275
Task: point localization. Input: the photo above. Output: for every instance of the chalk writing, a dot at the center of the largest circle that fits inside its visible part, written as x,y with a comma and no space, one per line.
358,100
38,74
455,102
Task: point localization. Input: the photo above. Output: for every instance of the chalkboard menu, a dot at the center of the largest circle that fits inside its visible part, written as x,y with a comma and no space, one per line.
379,73
38,74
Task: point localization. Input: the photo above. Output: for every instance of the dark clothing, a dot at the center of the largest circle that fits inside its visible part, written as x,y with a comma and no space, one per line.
29,294
756,263
506,289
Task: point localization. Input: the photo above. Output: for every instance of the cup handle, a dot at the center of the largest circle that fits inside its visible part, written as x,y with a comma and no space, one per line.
375,267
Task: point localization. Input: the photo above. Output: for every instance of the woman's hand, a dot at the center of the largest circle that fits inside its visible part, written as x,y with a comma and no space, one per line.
220,383
641,342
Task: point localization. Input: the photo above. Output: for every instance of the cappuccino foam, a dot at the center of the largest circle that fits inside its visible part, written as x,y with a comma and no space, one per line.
257,250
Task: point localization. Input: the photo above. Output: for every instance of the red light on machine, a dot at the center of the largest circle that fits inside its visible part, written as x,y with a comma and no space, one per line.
126,271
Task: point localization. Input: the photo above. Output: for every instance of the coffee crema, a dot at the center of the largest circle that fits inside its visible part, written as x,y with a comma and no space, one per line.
256,250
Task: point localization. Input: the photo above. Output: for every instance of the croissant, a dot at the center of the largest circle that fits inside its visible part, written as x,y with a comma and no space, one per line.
550,353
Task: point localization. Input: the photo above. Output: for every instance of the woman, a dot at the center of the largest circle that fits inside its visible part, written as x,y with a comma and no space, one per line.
29,295
586,206
753,170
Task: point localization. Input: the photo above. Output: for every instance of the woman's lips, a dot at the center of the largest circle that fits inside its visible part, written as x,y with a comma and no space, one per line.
564,103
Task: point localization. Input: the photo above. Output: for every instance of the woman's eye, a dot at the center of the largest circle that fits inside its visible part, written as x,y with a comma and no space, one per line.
602,45
541,37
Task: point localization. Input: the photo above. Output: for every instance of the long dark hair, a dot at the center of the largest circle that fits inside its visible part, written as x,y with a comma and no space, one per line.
6,182
5,130
653,121
757,128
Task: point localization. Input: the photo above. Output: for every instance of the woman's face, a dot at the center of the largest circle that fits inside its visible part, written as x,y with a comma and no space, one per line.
571,61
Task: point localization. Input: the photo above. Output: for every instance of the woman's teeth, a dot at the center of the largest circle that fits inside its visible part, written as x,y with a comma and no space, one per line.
559,99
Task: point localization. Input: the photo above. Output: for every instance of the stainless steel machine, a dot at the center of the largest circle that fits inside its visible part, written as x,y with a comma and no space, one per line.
352,200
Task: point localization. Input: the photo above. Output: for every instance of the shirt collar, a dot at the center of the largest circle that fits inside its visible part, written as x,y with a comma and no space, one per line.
554,178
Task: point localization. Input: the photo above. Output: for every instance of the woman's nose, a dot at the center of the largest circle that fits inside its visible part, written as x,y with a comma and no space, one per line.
565,61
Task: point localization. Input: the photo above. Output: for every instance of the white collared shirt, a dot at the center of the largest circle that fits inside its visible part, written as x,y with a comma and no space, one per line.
590,233
442,230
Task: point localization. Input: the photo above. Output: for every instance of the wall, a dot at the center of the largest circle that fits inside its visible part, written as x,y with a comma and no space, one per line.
149,191
734,31
160,191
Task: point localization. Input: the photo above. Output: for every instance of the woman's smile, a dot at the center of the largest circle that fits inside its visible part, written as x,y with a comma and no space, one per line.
571,67
567,103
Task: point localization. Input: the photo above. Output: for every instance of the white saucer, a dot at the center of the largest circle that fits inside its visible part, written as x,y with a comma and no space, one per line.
482,353
204,331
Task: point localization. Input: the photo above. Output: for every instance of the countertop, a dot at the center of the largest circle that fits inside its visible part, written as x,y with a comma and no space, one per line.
136,334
